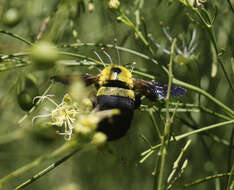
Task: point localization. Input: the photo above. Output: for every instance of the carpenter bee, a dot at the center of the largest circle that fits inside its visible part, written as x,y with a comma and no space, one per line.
116,88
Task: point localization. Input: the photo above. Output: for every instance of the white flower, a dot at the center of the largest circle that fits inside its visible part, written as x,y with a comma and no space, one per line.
64,115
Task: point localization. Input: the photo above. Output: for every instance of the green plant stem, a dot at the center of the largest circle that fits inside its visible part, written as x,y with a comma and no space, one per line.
202,108
177,138
230,5
201,180
165,137
2,57
163,152
229,111
176,163
129,23
75,45
16,36
146,155
209,28
170,75
194,108
5,67
230,179
45,171
71,146
154,123
180,137
214,137
79,56
179,110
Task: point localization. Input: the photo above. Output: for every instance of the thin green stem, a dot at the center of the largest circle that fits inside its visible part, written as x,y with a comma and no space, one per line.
128,22
201,180
179,158
155,123
230,5
79,56
9,66
16,36
213,137
3,57
180,137
177,138
170,75
163,152
229,111
165,137
46,170
146,155
200,108
75,45
230,178
178,109
71,146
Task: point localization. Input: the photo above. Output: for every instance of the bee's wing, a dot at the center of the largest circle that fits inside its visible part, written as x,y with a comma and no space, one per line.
67,79
155,90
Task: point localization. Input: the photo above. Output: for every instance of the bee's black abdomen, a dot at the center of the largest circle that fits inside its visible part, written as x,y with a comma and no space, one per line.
116,126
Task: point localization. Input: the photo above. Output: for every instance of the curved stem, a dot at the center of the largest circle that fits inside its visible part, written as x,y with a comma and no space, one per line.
79,56
201,180
180,137
204,93
16,36
58,152
46,170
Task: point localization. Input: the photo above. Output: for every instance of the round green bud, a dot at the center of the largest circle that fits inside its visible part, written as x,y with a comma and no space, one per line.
182,60
44,55
11,17
99,139
25,100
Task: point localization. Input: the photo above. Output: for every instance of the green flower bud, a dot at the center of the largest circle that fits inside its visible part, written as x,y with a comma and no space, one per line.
11,17
44,55
99,139
25,100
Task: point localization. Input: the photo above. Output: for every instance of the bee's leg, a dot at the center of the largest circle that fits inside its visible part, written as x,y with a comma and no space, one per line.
137,100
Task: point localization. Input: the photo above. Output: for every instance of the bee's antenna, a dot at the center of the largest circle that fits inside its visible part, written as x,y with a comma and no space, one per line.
100,58
109,57
115,42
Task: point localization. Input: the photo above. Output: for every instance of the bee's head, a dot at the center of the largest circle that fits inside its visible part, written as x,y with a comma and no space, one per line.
115,73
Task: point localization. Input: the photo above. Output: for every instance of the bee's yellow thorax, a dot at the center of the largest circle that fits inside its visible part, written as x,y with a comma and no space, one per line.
118,73
115,91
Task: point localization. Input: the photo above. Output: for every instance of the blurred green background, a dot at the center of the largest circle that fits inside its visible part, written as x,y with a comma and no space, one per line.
74,21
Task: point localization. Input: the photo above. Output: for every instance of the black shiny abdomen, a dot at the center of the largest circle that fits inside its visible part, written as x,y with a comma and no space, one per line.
116,126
